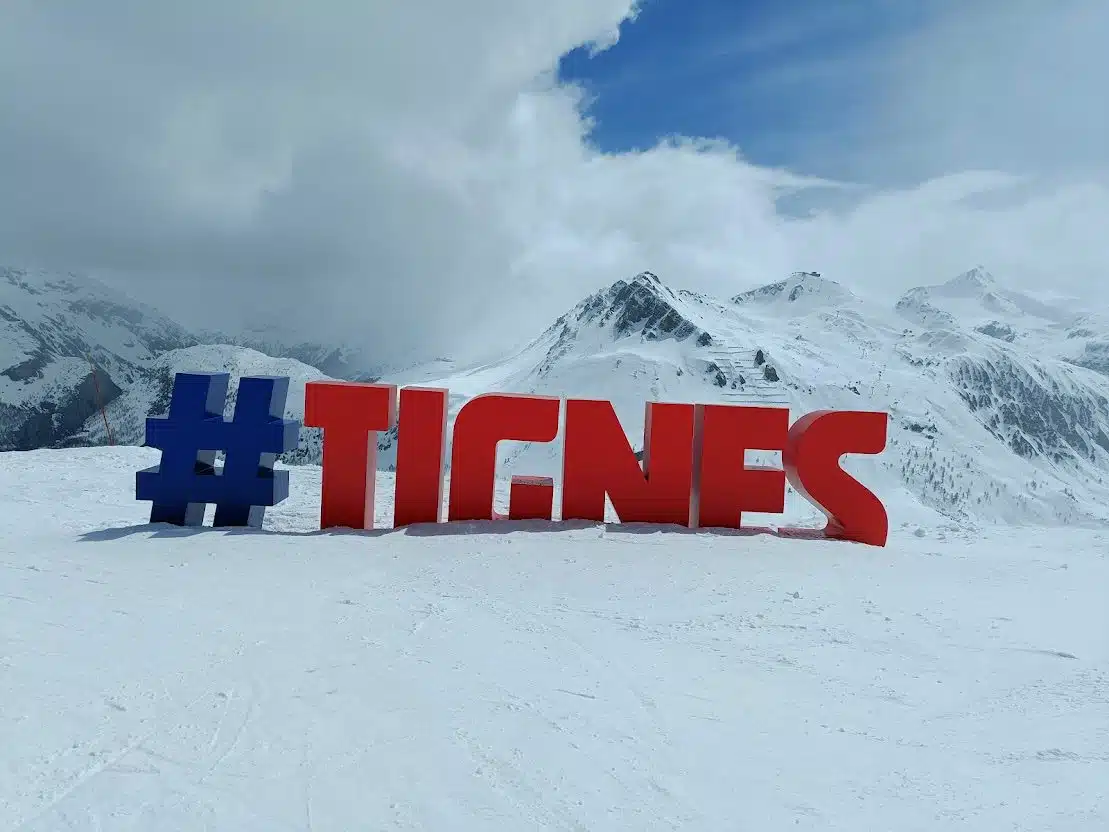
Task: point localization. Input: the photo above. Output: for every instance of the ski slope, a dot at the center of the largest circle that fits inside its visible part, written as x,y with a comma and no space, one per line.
519,677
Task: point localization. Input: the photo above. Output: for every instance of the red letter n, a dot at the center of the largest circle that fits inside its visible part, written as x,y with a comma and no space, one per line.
483,422
724,486
350,414
812,454
598,460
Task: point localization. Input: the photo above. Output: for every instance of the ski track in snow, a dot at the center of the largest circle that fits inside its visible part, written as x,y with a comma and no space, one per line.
519,677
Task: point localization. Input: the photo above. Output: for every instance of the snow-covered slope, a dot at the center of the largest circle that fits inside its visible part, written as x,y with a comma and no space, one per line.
975,298
53,330
1044,327
150,394
282,341
982,428
591,678
801,293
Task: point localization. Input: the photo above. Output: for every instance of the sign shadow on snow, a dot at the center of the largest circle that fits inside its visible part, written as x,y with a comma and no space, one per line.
481,527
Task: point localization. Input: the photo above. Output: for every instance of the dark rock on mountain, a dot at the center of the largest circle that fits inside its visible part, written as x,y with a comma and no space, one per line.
643,305
1034,413
1000,331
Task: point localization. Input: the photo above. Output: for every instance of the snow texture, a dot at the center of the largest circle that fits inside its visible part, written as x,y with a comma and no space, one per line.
523,677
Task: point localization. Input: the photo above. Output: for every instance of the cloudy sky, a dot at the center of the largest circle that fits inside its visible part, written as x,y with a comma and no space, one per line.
438,176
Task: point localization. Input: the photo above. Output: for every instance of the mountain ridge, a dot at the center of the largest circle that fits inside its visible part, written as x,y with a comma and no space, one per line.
954,393
69,345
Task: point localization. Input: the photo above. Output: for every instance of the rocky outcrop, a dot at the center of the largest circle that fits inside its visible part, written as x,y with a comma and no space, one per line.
1033,412
56,421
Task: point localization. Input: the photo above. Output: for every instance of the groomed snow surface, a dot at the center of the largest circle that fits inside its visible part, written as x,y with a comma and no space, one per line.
510,677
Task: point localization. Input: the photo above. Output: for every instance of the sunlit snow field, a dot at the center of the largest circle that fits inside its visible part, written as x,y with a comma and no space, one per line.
524,677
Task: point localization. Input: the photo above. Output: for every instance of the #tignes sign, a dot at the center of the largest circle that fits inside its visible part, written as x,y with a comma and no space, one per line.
692,474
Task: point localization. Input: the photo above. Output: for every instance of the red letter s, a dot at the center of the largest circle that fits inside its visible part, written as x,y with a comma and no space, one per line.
811,460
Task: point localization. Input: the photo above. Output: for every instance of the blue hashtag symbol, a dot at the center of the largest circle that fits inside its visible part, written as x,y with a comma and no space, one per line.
191,434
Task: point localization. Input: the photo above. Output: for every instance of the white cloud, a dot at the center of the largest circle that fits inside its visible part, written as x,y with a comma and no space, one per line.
410,174
1012,84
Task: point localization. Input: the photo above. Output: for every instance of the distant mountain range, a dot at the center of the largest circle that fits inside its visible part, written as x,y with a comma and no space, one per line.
56,329
999,400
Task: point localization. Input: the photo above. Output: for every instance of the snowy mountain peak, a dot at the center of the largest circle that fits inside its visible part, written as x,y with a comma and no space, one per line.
74,306
643,305
649,279
807,288
972,283
976,299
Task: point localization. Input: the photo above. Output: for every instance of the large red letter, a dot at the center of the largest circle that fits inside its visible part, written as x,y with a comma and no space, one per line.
421,447
812,454
481,423
598,460
723,485
350,414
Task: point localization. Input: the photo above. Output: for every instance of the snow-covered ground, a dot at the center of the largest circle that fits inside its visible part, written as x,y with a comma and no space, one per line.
514,677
